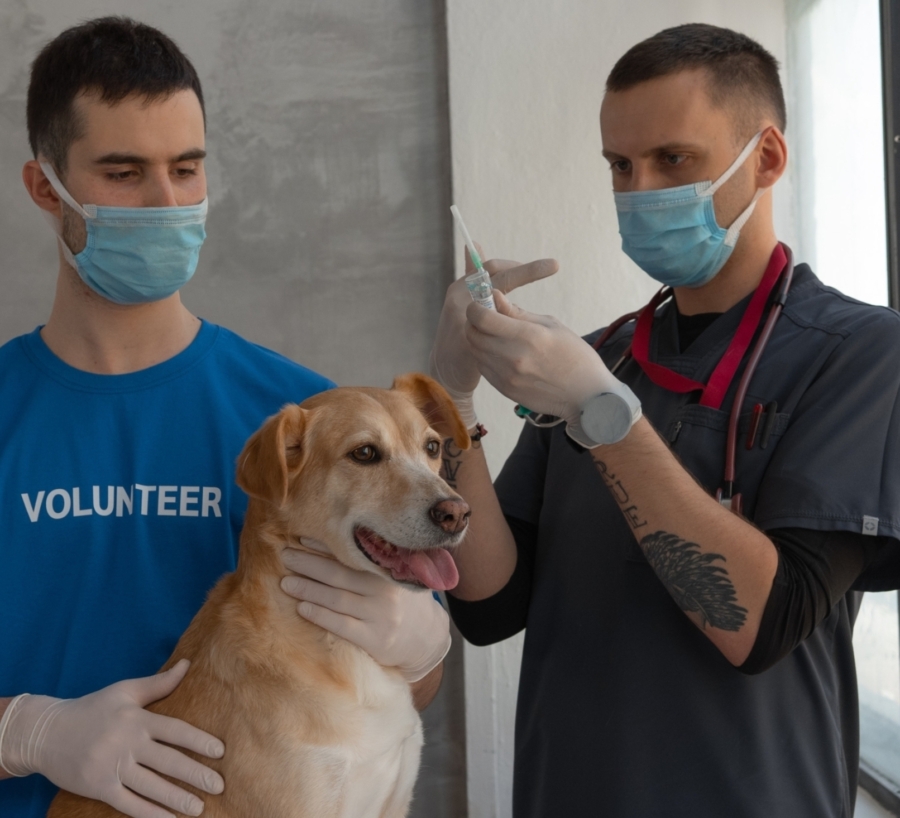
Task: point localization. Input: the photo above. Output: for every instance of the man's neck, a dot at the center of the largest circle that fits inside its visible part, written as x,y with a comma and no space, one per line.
94,335
738,278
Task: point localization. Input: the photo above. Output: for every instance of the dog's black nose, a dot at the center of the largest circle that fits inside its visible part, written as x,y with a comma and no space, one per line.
451,515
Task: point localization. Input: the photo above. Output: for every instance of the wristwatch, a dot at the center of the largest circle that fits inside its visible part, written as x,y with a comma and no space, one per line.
606,418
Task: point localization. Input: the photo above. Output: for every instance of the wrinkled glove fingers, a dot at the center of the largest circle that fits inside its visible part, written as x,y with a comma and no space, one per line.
347,627
146,783
171,762
497,335
151,689
327,571
506,307
308,590
181,734
498,265
508,279
128,803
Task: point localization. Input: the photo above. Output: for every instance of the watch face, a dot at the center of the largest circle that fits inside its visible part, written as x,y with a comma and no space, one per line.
606,418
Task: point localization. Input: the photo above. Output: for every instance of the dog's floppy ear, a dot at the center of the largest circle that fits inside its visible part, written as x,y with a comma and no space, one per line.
272,454
436,405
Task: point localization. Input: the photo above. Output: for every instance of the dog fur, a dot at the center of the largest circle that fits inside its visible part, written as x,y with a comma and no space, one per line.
313,727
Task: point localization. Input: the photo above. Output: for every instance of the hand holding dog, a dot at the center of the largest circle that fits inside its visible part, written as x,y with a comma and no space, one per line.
107,747
398,627
452,364
534,359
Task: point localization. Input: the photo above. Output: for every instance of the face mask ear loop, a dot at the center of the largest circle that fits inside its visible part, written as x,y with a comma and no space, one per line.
54,221
742,157
62,192
731,235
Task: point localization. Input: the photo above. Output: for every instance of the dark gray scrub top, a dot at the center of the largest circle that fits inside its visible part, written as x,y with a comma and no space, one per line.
625,708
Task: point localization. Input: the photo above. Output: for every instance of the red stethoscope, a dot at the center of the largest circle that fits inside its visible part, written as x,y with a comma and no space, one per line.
780,269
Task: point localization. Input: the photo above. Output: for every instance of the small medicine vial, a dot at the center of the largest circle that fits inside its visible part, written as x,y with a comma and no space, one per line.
479,285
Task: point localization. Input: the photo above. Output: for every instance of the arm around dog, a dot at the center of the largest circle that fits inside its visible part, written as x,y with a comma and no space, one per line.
398,627
106,746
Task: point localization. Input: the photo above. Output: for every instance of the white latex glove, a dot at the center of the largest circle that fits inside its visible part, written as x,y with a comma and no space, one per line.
398,627
452,364
105,746
535,360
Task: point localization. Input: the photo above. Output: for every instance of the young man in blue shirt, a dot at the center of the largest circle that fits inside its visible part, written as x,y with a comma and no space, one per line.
122,418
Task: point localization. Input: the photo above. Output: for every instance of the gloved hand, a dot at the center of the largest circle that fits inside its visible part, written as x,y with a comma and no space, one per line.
398,627
105,746
452,364
535,360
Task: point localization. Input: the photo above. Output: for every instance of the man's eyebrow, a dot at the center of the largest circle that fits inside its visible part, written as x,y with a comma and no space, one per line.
670,147
192,154
674,147
134,159
120,159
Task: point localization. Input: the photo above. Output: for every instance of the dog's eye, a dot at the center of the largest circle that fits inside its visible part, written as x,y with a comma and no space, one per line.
433,447
365,454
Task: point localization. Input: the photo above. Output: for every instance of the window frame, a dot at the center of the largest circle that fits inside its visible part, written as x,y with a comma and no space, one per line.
884,790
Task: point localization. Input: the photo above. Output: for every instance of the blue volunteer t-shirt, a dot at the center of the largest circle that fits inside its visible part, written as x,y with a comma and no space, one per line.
119,509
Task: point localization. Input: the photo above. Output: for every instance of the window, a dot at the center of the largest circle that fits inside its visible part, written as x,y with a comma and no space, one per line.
836,134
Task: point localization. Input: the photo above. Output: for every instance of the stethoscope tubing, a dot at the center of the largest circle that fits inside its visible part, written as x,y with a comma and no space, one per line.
726,493
778,303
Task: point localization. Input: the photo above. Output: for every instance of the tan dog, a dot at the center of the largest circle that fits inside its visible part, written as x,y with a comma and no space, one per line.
313,727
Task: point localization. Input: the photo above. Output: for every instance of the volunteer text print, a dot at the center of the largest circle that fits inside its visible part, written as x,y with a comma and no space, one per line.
160,501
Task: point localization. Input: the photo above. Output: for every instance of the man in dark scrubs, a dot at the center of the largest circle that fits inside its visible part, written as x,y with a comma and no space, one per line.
682,659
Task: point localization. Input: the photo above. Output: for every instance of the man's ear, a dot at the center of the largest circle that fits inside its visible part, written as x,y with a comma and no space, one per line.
272,455
436,405
40,189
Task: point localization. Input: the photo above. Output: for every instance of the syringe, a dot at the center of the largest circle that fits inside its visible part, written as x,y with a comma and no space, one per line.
479,283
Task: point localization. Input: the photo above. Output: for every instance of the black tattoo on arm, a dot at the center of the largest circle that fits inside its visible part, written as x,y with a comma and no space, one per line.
452,460
696,584
620,494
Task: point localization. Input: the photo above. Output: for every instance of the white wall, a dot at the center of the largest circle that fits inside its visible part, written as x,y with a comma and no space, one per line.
837,123
526,81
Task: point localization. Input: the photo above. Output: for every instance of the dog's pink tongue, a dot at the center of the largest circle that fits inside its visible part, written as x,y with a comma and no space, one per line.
434,568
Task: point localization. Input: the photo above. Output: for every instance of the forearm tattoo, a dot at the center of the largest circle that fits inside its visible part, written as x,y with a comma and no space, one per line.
696,582
452,460
621,495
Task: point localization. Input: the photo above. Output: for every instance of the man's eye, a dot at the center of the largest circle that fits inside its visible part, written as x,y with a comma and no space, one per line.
185,172
673,159
120,176
620,166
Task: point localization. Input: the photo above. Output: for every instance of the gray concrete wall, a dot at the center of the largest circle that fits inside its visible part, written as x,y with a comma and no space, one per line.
329,239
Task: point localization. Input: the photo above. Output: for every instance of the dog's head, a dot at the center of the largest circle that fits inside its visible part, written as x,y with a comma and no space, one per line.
357,469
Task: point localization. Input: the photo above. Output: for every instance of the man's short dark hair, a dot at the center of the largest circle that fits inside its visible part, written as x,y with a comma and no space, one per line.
742,75
111,57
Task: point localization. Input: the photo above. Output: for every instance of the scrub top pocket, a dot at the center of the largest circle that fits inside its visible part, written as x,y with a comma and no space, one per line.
698,435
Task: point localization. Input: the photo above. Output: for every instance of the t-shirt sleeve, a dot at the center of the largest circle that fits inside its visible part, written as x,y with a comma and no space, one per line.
504,614
837,467
815,569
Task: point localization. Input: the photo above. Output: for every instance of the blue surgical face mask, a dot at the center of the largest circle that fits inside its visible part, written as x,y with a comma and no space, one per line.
134,255
672,234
